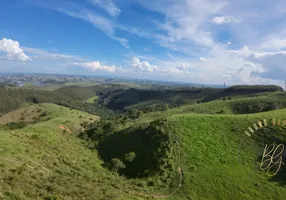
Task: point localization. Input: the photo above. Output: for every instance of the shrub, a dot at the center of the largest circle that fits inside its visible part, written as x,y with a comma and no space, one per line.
33,100
220,112
117,164
255,105
44,114
16,125
130,156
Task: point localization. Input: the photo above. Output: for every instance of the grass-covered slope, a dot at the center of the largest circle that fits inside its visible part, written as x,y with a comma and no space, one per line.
142,99
12,98
42,161
221,161
268,102
218,160
51,114
243,91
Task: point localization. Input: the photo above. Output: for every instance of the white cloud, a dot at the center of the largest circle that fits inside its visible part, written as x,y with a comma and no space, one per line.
182,66
48,55
249,65
224,20
97,66
202,59
13,50
143,66
268,54
186,26
105,25
108,5
185,22
244,52
274,43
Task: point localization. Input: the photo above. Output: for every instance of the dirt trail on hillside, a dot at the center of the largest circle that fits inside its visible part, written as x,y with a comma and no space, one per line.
64,128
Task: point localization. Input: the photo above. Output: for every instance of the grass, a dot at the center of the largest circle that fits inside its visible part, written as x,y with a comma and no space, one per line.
40,161
214,107
53,87
92,99
54,116
212,167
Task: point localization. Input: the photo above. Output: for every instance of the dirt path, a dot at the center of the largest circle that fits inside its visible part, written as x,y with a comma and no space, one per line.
64,128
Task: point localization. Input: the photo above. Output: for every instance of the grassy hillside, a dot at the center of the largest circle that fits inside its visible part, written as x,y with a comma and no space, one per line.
198,151
48,113
239,91
219,160
215,169
13,97
142,99
41,161
84,93
271,101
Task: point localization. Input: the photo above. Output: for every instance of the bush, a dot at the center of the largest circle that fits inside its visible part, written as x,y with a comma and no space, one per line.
16,125
44,114
130,156
134,114
255,105
35,100
98,129
117,164
220,112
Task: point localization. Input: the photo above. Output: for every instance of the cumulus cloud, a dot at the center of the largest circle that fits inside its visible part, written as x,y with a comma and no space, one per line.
259,66
224,20
97,66
142,66
108,5
13,50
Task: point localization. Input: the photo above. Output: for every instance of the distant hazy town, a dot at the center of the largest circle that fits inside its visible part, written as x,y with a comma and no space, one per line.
21,80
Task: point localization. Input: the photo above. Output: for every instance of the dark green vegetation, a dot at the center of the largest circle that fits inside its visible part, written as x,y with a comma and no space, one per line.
129,145
113,99
257,105
250,90
116,142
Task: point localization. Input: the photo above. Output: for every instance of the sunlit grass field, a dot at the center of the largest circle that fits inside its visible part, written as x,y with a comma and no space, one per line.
219,161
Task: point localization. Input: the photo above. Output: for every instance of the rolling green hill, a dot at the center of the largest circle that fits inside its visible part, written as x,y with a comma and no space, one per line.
240,91
192,151
41,161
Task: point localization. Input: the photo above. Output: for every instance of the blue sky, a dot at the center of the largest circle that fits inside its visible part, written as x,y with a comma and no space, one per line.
210,41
